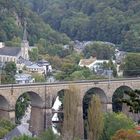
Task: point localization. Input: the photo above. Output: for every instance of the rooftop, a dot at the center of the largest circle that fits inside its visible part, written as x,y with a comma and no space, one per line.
10,51
86,62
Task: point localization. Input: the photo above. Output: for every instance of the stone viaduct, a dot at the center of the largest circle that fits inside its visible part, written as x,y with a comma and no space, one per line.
43,94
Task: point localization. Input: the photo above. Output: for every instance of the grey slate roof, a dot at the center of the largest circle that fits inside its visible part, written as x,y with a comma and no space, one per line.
10,51
18,131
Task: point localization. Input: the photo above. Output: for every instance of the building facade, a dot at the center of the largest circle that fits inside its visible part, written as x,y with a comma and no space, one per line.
12,54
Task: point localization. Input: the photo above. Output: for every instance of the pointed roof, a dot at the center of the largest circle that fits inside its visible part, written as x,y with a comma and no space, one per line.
25,32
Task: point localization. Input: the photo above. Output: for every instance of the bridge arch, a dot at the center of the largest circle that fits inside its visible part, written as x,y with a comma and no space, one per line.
118,94
97,92
34,112
57,109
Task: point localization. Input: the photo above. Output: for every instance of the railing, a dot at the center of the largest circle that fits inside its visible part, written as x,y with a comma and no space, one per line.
71,82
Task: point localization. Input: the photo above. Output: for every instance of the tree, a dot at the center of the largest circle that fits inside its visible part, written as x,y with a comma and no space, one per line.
100,50
110,66
71,103
33,54
24,137
131,65
9,71
21,106
114,122
95,119
49,135
38,77
132,100
5,127
126,135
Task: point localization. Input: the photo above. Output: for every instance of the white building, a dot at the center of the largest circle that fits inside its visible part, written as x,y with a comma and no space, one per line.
35,68
93,63
24,78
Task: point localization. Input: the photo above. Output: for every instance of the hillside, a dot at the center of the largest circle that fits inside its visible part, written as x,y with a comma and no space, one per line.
106,20
13,14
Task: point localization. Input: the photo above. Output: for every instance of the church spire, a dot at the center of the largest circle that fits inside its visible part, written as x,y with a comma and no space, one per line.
25,32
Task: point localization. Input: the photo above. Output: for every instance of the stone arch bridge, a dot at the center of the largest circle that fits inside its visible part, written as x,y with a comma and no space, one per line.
43,94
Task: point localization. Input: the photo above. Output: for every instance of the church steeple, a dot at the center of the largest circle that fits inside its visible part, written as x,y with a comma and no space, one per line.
25,32
25,44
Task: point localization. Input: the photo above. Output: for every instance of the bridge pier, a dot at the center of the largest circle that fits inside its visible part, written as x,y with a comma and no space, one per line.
7,114
109,107
36,125
47,118
4,114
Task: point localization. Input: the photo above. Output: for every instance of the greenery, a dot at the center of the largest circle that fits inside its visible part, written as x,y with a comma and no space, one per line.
131,65
100,50
5,127
106,20
132,101
24,137
49,135
38,77
21,106
95,119
53,21
33,54
114,122
126,135
71,103
8,73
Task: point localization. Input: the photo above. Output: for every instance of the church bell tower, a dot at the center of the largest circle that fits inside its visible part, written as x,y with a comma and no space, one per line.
25,44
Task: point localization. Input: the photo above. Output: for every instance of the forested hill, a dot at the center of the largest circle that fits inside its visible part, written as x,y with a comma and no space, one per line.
13,15
115,21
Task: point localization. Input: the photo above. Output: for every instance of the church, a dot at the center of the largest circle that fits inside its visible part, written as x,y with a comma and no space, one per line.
8,54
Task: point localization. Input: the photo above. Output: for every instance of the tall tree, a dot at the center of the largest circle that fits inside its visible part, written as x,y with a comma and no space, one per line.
71,103
95,119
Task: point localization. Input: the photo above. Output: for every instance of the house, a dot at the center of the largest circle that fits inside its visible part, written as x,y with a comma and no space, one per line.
92,63
35,68
87,62
24,78
46,65
41,67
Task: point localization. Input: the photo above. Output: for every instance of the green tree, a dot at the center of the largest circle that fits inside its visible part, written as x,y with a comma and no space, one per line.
38,77
131,65
5,127
49,135
21,106
95,119
132,100
24,137
33,54
100,50
110,66
8,73
114,122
